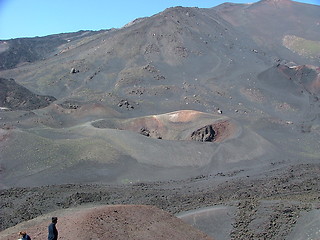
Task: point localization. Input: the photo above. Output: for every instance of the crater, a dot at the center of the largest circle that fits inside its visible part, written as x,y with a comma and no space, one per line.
184,125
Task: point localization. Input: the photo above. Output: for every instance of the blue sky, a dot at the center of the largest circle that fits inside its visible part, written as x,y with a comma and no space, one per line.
30,18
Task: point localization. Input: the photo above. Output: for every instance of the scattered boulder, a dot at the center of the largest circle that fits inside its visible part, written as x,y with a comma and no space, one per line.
70,105
124,103
73,70
145,132
153,134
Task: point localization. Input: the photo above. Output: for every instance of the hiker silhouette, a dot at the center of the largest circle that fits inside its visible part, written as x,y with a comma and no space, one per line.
52,230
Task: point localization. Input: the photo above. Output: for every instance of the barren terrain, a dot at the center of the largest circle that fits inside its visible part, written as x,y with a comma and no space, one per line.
211,115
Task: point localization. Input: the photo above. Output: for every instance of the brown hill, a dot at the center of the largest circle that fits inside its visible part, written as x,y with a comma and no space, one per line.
117,222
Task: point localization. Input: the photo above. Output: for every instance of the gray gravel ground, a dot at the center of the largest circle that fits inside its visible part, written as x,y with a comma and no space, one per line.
267,207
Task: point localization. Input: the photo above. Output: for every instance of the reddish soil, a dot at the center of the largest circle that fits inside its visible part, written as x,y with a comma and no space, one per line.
117,222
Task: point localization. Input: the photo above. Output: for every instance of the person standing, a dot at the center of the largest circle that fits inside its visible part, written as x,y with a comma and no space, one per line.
52,230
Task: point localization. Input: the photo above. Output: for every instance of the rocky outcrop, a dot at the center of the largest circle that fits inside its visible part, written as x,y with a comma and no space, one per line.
125,104
153,134
205,134
145,132
70,105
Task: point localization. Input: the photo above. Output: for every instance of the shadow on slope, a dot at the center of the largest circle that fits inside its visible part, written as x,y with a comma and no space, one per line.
16,97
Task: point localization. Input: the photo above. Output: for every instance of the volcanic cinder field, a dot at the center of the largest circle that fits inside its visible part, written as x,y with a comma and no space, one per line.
189,124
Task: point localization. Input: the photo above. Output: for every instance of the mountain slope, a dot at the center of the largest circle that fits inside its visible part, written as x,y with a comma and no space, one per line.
15,52
274,24
180,59
186,109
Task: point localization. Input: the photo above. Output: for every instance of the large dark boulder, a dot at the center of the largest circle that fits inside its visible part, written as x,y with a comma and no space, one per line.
205,134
